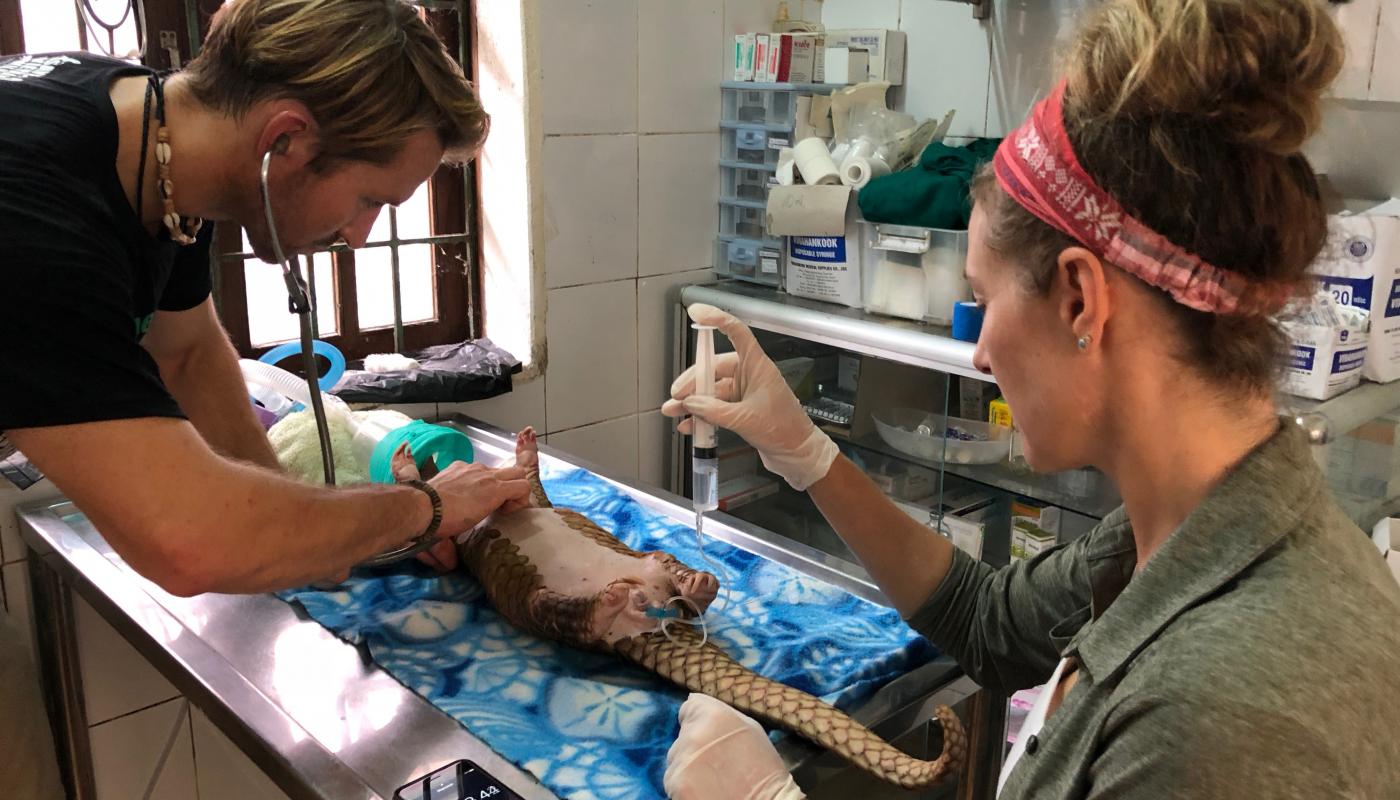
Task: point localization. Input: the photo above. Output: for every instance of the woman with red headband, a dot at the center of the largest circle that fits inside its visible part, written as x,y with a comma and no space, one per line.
1228,632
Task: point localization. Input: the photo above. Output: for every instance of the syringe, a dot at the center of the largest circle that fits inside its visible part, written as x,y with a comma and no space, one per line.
703,445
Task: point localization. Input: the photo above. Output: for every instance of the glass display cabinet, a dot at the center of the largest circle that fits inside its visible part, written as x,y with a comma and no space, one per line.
903,401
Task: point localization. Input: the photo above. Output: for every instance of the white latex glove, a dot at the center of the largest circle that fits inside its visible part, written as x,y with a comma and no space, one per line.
722,754
752,399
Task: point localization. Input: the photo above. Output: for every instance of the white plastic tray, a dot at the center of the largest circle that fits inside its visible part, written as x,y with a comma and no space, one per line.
922,435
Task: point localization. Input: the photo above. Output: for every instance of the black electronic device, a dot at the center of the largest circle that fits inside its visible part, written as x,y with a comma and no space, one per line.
460,780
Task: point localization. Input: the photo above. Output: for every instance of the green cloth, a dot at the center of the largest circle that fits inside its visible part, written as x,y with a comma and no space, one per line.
1255,655
933,193
426,441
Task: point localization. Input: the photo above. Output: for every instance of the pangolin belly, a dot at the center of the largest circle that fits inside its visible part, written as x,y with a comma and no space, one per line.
558,575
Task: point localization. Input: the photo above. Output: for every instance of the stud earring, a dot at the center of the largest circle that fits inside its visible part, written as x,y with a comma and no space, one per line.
1084,341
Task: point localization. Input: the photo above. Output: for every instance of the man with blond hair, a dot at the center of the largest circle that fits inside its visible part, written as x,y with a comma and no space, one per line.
120,383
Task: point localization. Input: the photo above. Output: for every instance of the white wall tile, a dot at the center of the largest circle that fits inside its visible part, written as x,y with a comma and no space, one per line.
11,544
1357,20
748,16
592,334
862,13
653,449
116,679
1025,40
588,56
946,65
679,202
18,601
1356,148
522,406
125,751
222,771
656,342
1385,74
590,188
677,59
609,445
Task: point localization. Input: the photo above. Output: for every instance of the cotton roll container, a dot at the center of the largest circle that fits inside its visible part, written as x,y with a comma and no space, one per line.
814,163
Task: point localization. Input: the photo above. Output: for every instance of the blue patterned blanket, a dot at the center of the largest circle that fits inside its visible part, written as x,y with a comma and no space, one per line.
585,724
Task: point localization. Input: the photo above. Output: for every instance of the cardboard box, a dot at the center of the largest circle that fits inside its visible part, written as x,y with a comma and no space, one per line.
1327,343
844,65
886,49
1035,527
1360,267
743,56
760,58
803,59
1386,535
774,59
822,251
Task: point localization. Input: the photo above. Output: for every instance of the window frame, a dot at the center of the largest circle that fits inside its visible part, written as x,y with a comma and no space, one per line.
453,234
454,227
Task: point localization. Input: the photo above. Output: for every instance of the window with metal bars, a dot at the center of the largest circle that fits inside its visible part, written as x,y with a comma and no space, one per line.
415,283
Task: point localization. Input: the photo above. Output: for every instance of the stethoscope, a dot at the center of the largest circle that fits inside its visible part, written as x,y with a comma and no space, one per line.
299,303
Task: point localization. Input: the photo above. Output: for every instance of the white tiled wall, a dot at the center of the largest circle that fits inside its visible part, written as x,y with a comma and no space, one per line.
989,71
993,71
631,106
222,771
117,680
125,752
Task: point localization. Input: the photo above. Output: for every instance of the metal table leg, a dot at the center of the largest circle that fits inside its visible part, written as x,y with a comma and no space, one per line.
62,678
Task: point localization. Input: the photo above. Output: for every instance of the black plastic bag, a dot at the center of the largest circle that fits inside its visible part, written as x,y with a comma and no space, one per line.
448,373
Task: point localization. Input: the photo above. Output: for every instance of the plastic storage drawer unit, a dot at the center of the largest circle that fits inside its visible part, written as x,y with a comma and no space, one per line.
748,259
915,273
746,184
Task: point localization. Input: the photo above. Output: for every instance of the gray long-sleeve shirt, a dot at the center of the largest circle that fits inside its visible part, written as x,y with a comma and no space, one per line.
1256,655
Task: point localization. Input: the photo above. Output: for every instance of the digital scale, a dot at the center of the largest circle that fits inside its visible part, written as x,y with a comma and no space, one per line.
460,780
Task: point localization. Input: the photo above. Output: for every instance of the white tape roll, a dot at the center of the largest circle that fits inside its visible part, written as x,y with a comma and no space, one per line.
787,166
814,162
856,172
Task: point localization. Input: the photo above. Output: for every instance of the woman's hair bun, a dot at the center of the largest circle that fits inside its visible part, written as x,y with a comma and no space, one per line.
1254,70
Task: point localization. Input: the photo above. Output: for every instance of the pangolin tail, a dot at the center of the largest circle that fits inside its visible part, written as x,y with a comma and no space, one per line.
709,670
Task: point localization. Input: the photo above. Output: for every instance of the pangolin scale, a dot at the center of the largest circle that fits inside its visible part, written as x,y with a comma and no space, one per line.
543,577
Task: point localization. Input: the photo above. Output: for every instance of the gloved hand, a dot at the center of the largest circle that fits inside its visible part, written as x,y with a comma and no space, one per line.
722,754
752,399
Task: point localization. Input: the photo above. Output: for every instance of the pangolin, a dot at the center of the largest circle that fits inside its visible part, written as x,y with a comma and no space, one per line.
556,574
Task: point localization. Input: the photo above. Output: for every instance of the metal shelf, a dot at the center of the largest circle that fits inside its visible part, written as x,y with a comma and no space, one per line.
1095,498
933,347
1326,420
901,341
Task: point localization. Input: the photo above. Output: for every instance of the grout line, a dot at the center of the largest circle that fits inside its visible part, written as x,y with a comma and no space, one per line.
592,283
598,422
596,133
194,750
178,696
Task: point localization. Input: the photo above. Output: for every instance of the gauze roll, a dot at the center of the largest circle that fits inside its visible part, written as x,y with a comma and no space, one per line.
814,162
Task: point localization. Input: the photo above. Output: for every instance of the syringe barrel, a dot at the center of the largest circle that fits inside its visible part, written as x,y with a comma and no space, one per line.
704,436
705,483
